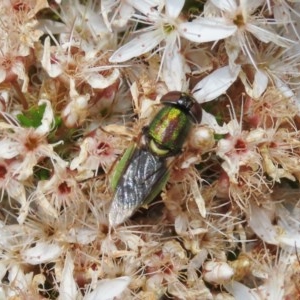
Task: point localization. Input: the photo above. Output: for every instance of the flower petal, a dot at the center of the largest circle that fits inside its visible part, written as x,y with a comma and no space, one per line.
203,30
82,236
2,74
9,148
240,291
42,252
266,35
67,289
173,8
211,121
148,8
98,81
174,70
225,5
47,119
261,224
53,69
215,84
198,198
287,92
259,85
138,46
217,272
107,289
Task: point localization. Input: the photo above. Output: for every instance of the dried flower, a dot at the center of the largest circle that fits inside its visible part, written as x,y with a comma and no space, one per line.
217,272
80,82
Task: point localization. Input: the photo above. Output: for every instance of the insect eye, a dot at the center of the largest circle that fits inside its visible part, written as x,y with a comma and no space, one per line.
171,97
196,112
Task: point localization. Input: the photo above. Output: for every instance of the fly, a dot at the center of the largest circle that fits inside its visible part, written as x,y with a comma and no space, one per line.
143,170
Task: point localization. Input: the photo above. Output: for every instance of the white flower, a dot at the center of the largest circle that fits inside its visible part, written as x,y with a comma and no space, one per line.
274,281
58,192
116,13
20,281
69,62
163,28
12,67
161,32
275,66
83,26
236,22
238,149
28,145
283,233
97,150
76,111
285,12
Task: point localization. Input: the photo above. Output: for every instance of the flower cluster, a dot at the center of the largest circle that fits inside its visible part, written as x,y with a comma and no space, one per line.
79,80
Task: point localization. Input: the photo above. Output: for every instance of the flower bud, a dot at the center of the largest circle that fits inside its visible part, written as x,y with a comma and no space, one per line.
217,272
202,138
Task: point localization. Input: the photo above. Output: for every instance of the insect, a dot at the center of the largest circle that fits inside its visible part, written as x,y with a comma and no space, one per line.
143,170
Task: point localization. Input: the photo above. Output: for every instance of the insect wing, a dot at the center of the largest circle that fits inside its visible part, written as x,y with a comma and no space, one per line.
144,177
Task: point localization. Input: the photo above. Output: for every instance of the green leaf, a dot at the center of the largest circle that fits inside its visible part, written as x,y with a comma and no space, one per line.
218,137
42,174
33,117
57,121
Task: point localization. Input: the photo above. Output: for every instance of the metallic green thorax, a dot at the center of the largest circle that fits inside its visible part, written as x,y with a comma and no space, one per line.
169,130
